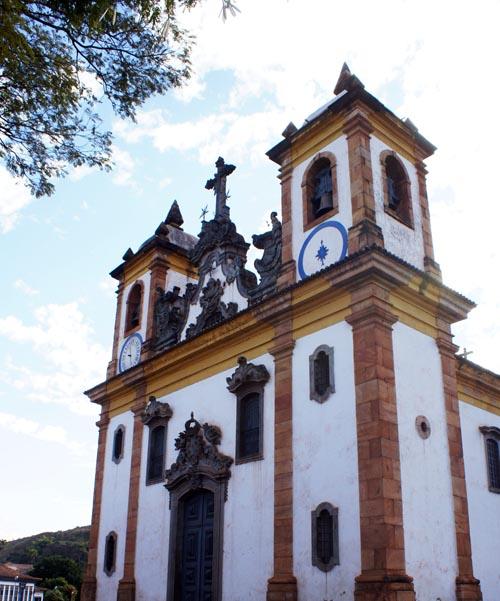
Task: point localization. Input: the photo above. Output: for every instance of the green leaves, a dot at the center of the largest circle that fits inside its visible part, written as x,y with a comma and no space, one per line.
48,112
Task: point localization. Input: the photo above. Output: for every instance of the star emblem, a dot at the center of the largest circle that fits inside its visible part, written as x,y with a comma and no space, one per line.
322,253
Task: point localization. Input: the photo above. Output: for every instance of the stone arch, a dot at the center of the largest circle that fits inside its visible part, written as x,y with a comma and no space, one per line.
311,215
401,210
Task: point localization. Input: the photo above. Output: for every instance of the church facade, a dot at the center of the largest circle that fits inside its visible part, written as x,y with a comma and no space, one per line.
310,433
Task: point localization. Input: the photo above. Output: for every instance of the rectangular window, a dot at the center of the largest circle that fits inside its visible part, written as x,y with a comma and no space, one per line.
249,434
156,454
492,442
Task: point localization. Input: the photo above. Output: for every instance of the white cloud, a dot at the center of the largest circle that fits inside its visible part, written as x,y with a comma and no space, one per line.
13,199
25,288
78,173
68,358
28,427
123,167
108,286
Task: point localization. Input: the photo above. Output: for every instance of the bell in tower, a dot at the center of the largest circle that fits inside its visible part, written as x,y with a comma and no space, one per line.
322,197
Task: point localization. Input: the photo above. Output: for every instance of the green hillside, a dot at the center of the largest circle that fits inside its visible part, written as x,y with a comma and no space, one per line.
72,544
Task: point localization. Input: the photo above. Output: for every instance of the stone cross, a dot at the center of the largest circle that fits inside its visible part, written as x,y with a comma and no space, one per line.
218,185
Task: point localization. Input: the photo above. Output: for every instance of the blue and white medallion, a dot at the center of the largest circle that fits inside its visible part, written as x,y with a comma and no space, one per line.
324,246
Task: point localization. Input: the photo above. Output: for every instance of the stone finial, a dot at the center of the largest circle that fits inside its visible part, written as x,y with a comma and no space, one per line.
346,81
129,253
174,216
289,130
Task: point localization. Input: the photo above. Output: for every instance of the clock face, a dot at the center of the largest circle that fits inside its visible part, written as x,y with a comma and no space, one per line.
130,354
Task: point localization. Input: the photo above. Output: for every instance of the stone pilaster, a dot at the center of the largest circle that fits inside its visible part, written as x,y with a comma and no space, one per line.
126,586
364,230
288,270
283,584
383,569
430,265
467,586
89,584
111,371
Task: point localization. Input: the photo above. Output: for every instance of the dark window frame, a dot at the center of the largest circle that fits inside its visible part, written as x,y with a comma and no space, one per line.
243,393
314,394
404,211
320,162
114,537
492,433
152,426
335,555
130,328
117,458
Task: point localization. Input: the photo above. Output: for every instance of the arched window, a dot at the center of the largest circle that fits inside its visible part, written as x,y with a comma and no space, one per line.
397,197
110,553
321,374
319,190
156,454
325,537
118,444
134,308
492,442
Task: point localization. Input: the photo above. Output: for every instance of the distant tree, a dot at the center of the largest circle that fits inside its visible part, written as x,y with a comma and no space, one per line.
48,50
61,587
57,566
3,542
54,595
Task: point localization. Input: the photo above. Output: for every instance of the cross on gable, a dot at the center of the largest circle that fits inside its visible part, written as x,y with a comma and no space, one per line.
218,185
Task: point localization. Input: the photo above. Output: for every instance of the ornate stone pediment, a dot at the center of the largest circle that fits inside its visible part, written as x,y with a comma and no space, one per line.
217,233
156,410
171,311
247,373
198,456
214,310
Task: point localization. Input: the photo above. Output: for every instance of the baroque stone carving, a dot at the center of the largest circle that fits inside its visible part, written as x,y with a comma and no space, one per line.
155,410
219,232
198,456
214,310
269,265
247,373
170,314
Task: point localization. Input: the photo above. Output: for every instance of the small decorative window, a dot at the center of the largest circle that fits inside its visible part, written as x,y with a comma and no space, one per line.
321,374
110,553
396,184
319,190
492,442
247,383
118,444
156,416
134,308
156,454
325,537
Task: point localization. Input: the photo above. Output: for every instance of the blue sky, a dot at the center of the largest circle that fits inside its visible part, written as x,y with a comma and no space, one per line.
275,62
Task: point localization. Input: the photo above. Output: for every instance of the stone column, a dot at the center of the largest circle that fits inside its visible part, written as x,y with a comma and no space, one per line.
430,264
89,584
383,570
288,270
364,230
126,586
467,586
283,584
111,371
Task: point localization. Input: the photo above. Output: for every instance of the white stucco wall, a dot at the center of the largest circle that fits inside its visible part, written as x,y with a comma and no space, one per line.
484,506
399,239
429,528
344,216
326,465
114,505
248,512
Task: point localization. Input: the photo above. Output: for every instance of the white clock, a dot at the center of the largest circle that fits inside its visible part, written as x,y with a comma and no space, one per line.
130,354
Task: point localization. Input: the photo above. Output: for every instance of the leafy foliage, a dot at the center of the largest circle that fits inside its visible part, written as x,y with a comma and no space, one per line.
56,566
50,53
72,544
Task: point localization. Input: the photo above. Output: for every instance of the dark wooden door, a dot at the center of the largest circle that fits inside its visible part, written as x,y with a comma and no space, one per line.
197,547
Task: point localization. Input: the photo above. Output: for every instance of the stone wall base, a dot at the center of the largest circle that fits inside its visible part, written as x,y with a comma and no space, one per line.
126,590
468,589
89,589
388,588
282,588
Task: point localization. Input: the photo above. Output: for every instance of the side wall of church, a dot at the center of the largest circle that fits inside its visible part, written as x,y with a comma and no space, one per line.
114,505
248,511
326,465
429,527
484,506
399,239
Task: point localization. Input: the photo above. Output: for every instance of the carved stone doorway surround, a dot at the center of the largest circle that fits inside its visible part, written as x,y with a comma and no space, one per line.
199,465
